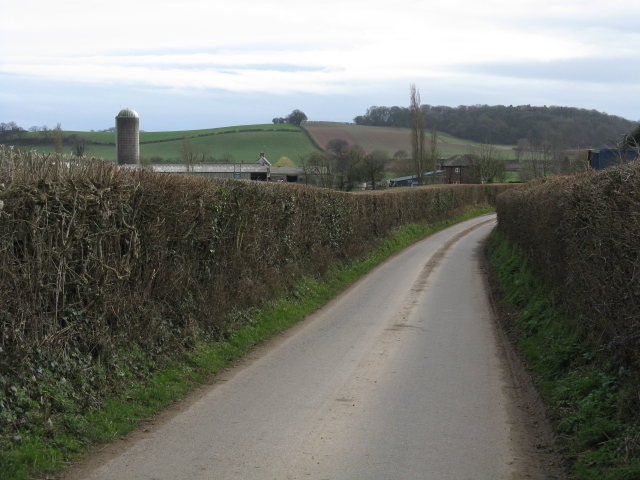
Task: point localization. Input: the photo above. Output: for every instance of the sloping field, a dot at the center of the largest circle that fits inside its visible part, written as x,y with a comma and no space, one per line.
244,146
244,143
389,139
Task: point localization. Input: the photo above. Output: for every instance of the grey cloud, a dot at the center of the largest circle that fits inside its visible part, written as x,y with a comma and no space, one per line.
622,71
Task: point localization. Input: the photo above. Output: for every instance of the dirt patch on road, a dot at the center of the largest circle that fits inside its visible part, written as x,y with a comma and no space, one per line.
533,431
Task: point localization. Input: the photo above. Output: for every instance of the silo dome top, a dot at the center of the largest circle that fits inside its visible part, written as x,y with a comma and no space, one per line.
127,113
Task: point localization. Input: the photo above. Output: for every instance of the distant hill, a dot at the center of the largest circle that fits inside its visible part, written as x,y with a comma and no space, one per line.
505,125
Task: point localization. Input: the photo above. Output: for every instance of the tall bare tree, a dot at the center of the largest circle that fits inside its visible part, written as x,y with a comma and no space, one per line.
418,133
434,154
58,139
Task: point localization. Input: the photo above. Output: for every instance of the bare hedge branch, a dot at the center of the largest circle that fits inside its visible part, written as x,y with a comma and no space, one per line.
97,260
582,233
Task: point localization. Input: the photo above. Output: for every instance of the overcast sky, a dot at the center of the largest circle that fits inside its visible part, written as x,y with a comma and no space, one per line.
209,63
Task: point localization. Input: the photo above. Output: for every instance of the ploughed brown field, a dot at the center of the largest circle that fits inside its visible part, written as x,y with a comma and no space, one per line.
389,139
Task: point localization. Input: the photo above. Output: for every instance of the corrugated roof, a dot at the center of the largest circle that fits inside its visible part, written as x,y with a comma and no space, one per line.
224,168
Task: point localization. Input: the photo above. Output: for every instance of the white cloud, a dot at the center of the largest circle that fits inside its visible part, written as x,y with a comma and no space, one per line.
288,47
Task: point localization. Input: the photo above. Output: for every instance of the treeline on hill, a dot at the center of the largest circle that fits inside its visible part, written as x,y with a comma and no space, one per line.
567,126
109,271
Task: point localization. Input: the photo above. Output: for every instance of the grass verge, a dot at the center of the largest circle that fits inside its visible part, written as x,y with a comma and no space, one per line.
43,451
596,421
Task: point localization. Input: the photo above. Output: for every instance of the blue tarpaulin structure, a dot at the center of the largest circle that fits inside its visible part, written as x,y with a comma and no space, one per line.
608,157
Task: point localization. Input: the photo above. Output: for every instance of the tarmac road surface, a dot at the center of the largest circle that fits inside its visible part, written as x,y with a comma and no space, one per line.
400,377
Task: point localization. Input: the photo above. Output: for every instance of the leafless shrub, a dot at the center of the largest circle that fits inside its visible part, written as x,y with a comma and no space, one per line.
582,233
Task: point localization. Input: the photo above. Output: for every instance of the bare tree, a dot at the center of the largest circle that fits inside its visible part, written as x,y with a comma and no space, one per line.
79,145
349,167
434,154
418,127
321,165
337,146
373,166
227,157
537,158
489,164
632,140
401,164
191,154
58,139
46,131
572,162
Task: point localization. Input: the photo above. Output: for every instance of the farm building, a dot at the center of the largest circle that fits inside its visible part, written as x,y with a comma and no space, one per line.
411,180
260,170
457,169
608,157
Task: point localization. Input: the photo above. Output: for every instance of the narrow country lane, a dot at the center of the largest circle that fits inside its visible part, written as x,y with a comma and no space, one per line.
400,377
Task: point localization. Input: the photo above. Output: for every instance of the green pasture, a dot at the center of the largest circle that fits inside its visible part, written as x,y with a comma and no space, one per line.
275,141
244,146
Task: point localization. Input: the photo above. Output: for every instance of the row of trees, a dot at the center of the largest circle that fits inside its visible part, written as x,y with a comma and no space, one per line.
505,125
345,166
11,131
295,118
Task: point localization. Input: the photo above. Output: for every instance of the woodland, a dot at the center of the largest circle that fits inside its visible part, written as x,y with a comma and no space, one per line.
566,127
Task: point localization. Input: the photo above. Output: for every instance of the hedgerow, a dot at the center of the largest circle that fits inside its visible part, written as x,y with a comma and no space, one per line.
582,233
580,236
108,272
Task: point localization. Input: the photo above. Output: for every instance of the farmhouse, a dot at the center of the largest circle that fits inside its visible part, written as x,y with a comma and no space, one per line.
457,169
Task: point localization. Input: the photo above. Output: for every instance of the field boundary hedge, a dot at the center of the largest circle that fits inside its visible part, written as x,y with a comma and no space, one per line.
97,260
581,234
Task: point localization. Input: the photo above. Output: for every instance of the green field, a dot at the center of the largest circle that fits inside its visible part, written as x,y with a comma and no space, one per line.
275,141
245,143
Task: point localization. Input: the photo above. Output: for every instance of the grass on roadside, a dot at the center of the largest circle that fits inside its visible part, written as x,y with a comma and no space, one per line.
48,450
598,432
